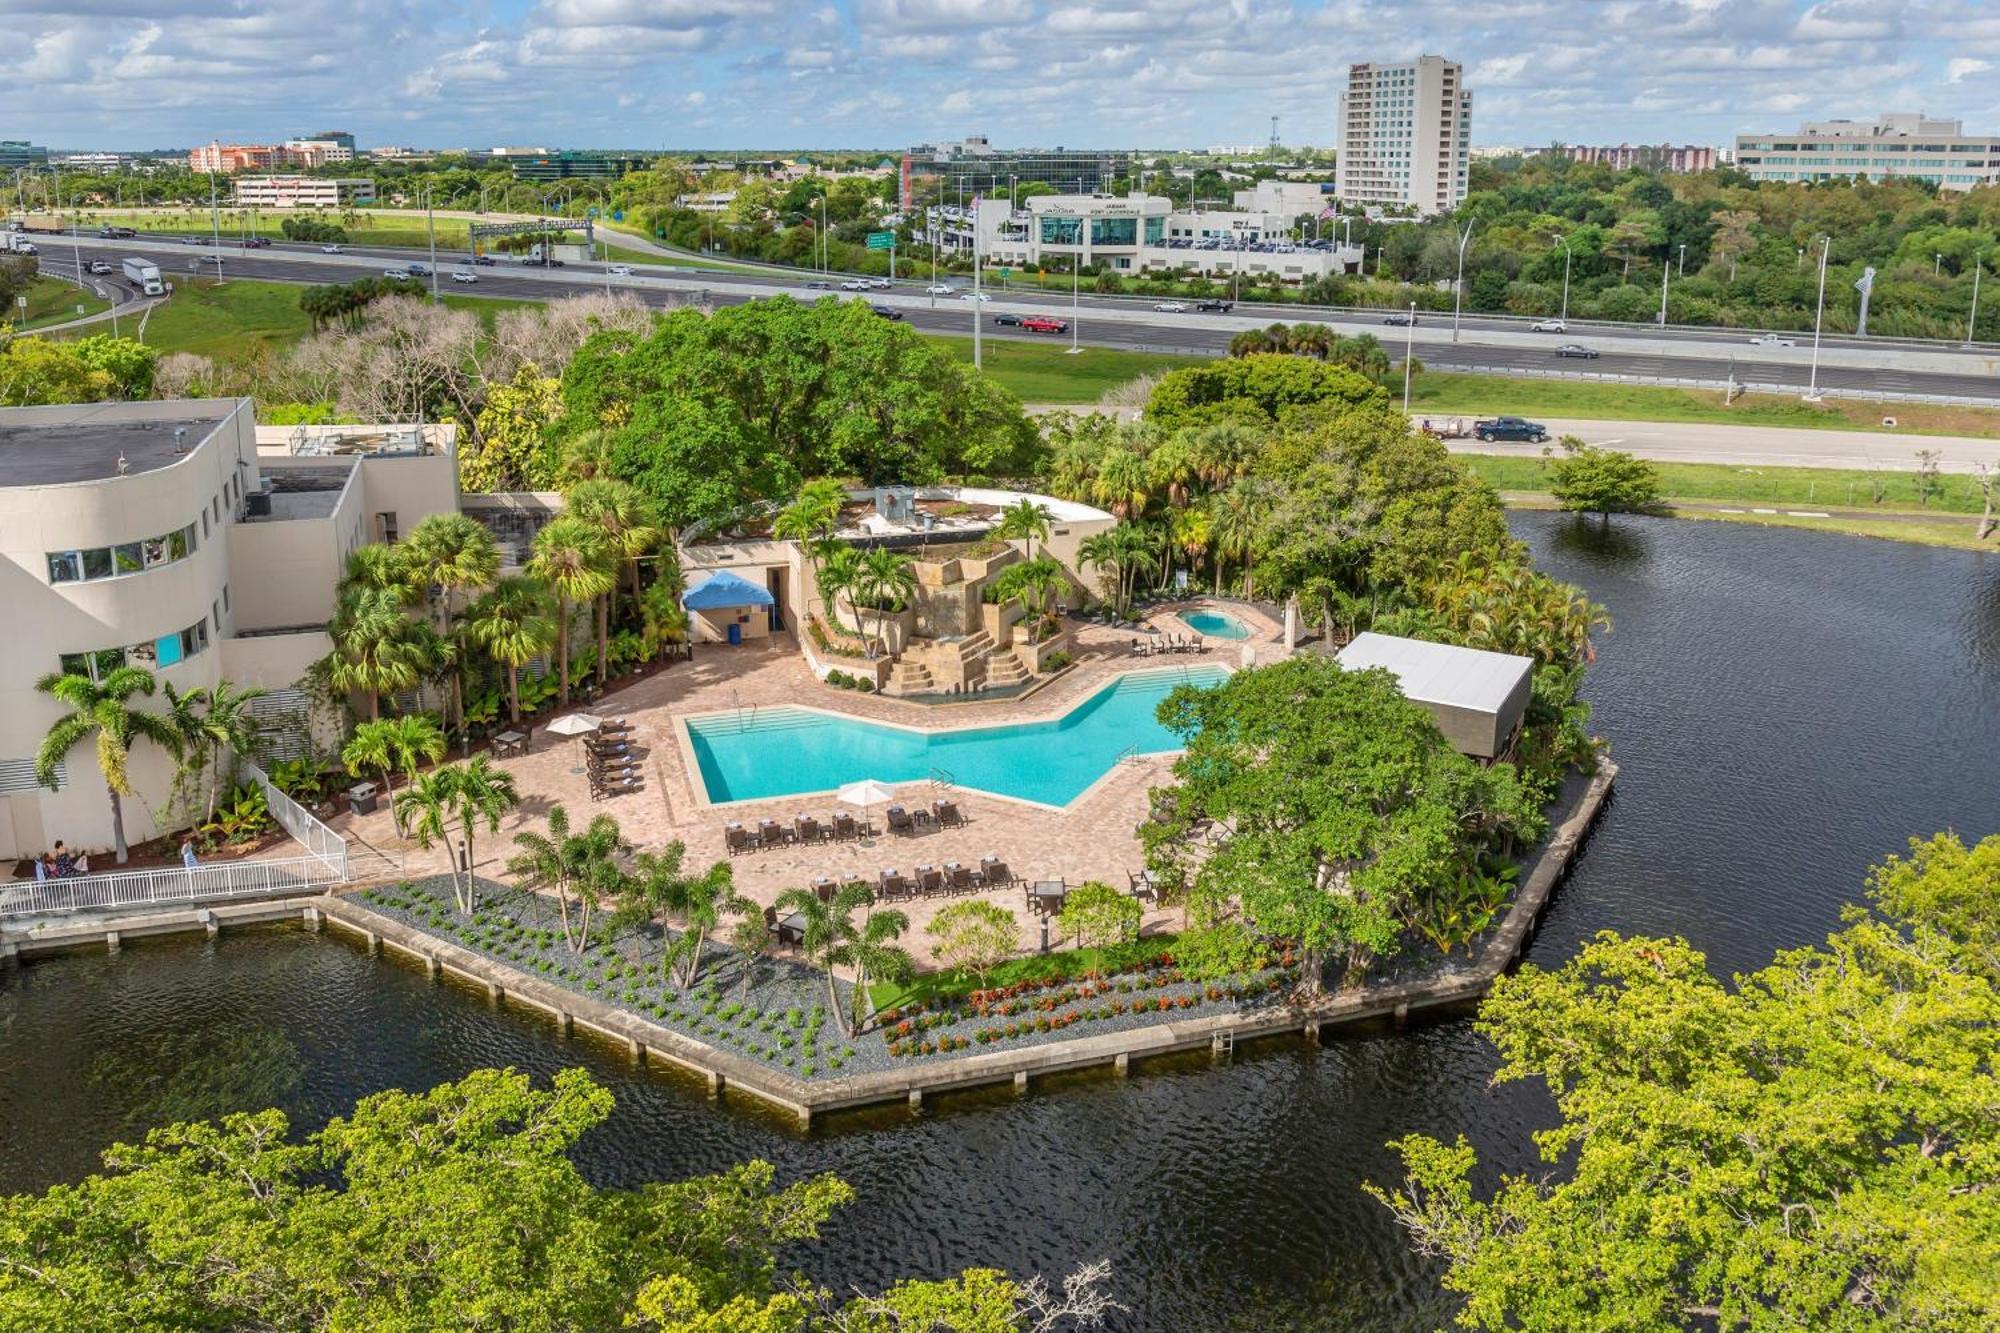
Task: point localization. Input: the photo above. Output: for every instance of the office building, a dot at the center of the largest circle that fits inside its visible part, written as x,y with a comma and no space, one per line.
340,138
183,538
1405,134
566,165
1140,233
317,152
1663,157
224,157
1899,146
302,191
18,154
957,171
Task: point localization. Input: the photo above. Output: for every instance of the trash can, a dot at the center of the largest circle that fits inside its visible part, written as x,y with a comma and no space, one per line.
735,635
361,798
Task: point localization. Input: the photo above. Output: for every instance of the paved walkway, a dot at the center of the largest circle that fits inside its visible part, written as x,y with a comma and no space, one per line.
1772,446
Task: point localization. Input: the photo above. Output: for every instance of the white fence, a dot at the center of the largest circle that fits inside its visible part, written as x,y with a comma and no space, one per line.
141,888
295,819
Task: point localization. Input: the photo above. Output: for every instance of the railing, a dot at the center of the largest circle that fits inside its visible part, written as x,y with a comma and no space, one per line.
318,840
140,888
1742,386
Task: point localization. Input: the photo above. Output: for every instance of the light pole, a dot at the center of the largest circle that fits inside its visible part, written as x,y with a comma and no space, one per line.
1937,266
430,226
1973,323
1563,241
1819,312
1409,347
215,226
1680,269
1666,271
1458,283
976,361
822,233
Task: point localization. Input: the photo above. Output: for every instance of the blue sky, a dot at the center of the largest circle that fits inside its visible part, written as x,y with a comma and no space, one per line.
768,73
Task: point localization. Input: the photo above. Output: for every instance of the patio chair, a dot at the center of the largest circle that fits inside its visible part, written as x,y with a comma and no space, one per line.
770,833
994,872
824,889
960,879
844,827
900,821
737,839
806,828
946,814
929,880
856,882
1144,886
894,886
771,919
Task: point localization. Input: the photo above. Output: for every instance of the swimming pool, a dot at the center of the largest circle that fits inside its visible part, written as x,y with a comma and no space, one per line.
789,750
1216,624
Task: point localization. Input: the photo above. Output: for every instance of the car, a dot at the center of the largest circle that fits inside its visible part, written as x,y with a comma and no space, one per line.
329,249
1773,340
621,270
1549,326
1404,320
193,240
116,233
1045,324
484,261
887,312
99,266
464,275
1213,307
974,296
817,286
419,271
255,243
854,285
396,274
1171,307
1007,321
939,289
880,284
1510,428
1577,349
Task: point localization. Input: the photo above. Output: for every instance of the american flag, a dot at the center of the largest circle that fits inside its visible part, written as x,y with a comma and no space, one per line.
1329,214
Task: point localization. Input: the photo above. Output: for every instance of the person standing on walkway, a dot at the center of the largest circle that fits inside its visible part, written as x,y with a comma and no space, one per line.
188,859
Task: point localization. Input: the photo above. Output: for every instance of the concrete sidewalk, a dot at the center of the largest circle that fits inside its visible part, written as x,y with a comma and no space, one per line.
1770,446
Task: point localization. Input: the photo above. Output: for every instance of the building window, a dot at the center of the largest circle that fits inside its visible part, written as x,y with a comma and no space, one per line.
1062,231
167,650
106,562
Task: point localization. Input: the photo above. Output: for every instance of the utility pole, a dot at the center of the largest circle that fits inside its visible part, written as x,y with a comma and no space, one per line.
1409,347
430,225
1973,323
1458,283
1819,313
1075,299
977,363
1563,241
1666,271
215,225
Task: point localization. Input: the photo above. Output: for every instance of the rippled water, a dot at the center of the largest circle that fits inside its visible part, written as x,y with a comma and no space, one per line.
1786,707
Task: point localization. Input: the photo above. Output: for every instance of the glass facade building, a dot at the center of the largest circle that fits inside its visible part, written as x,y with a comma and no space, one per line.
971,167
16,154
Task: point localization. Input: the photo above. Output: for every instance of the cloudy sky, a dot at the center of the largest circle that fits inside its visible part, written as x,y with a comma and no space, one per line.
805,73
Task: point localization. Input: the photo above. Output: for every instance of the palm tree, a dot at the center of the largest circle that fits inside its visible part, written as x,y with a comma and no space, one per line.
662,618
1032,584
514,625
377,648
1123,483
1026,519
369,750
481,792
831,939
101,709
573,558
1237,516
1121,551
887,581
424,809
382,566
414,739
813,513
582,864
840,572
699,902
1223,451
631,529
454,553
209,724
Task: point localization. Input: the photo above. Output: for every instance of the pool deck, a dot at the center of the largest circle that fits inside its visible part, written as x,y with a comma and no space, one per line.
1094,837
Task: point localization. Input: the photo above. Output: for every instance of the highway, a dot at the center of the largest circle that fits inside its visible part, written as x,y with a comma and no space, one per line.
1486,346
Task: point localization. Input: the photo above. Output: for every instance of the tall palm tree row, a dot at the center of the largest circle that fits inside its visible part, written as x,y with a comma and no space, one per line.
573,557
631,529
456,554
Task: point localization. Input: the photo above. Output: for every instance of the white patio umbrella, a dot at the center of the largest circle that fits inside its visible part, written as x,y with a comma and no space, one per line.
574,724
864,793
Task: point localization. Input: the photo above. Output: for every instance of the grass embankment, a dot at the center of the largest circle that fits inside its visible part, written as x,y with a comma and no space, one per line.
1047,373
1491,395
53,301
224,320
1058,966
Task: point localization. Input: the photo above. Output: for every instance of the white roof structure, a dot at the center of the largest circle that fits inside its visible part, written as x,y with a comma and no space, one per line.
1477,697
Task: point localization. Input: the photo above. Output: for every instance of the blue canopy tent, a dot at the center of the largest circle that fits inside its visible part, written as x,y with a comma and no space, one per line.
727,591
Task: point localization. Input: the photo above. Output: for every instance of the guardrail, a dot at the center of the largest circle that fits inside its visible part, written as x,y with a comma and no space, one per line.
144,888
1743,386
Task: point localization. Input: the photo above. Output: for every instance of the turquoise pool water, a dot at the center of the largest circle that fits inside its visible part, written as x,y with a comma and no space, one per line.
785,751
1216,624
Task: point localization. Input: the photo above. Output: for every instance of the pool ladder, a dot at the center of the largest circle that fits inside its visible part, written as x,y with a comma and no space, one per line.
942,780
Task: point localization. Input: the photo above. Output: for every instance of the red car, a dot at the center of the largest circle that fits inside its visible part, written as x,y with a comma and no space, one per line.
1045,324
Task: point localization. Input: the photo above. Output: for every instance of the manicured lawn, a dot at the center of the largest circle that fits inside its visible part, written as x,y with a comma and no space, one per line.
53,301
1039,373
1489,395
370,227
224,320
1804,487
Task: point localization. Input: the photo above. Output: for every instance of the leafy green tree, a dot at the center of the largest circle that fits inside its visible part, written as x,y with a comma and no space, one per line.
37,371
101,711
513,443
514,623
1343,800
1098,916
127,362
973,936
580,866
1604,482
1812,1147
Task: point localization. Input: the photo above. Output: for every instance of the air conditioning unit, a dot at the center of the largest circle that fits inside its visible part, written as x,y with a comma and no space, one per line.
257,504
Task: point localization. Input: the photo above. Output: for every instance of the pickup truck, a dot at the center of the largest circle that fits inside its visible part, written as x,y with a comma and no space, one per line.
1510,428
1044,324
1773,340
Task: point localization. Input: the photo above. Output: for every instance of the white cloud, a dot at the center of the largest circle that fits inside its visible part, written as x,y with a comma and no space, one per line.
1960,69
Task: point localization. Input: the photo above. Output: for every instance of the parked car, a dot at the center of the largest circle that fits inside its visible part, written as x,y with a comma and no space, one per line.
464,275
99,266
396,274
484,261
939,289
1213,307
1171,307
1773,340
855,285
1577,349
1548,326
1010,321
1045,324
819,286
1510,428
1402,320
621,270
329,249
887,312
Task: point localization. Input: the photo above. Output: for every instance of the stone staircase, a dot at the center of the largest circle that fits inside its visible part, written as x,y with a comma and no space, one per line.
909,676
1004,668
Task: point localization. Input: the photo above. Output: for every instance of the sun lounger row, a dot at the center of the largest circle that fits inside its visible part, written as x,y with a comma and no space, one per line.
942,814
924,881
1162,644
843,827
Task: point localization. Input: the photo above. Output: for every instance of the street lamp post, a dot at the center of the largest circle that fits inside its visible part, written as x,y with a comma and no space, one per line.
1458,283
977,362
215,225
1409,347
1680,269
1819,312
1563,241
1666,271
823,260
430,226
1972,324
1075,299
1937,265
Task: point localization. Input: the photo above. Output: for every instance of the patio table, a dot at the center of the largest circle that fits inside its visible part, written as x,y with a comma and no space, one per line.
792,929
1047,896
510,744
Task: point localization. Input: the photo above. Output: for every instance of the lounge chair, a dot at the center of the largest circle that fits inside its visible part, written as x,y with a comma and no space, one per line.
770,833
806,828
894,886
929,880
844,827
737,838
994,873
959,878
824,889
900,821
946,814
854,882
